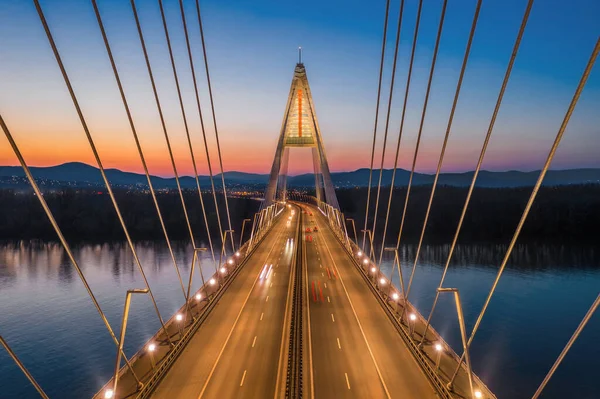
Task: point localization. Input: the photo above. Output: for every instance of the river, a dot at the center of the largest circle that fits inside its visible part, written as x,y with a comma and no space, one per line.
50,322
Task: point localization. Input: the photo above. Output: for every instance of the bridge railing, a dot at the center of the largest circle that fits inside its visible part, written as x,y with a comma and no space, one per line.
158,354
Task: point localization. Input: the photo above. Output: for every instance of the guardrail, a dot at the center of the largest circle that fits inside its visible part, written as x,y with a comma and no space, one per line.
202,302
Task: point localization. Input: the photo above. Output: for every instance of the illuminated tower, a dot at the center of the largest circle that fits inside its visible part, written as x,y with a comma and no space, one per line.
300,128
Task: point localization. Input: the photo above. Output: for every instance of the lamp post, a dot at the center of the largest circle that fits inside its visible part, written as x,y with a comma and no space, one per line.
151,349
354,228
438,348
397,262
242,235
463,334
194,258
370,234
223,244
411,324
122,337
252,233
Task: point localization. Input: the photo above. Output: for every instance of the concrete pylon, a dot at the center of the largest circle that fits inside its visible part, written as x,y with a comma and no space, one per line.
300,128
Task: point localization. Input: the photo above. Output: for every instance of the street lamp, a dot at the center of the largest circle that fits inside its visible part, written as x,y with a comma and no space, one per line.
109,393
243,225
354,228
367,231
413,318
189,288
179,319
438,348
396,262
151,350
463,334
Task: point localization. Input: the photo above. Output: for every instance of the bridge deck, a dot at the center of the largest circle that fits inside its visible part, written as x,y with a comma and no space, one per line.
223,359
353,343
356,351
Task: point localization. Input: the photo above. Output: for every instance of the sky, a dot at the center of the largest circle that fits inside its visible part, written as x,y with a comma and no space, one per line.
252,51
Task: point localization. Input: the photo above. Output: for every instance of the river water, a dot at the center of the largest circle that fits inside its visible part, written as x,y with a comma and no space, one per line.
50,322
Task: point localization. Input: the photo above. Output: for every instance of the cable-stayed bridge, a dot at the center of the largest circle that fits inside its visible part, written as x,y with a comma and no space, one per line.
302,309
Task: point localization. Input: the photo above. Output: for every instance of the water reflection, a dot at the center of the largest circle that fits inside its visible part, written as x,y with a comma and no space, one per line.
46,316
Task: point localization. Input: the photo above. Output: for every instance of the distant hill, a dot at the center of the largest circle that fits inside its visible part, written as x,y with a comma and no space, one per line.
76,174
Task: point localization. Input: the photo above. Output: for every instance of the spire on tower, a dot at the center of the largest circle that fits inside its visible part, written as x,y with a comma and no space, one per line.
300,55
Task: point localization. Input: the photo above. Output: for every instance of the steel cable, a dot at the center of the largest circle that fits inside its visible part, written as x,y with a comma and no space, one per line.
187,132
536,188
445,143
212,107
385,24
99,162
137,141
414,162
196,92
61,238
408,79
162,121
387,125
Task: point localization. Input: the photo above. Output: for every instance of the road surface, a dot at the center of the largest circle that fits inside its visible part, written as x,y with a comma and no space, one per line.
235,353
356,351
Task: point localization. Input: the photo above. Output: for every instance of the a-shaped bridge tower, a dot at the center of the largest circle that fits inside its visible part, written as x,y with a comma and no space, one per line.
300,128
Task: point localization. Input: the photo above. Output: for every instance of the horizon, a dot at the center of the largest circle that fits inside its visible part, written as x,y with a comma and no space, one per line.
299,174
252,53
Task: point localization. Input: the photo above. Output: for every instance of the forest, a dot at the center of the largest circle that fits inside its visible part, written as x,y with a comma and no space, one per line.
561,214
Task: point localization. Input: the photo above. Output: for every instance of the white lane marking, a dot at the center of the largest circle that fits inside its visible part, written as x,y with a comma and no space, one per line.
320,266
267,300
332,318
274,274
322,274
347,381
387,392
328,298
212,371
310,354
338,340
325,284
244,376
272,285
254,341
261,316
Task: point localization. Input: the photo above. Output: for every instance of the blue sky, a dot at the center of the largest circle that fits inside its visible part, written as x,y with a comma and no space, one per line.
252,50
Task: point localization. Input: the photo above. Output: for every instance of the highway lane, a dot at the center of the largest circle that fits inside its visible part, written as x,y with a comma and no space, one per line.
248,367
370,359
342,365
223,350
